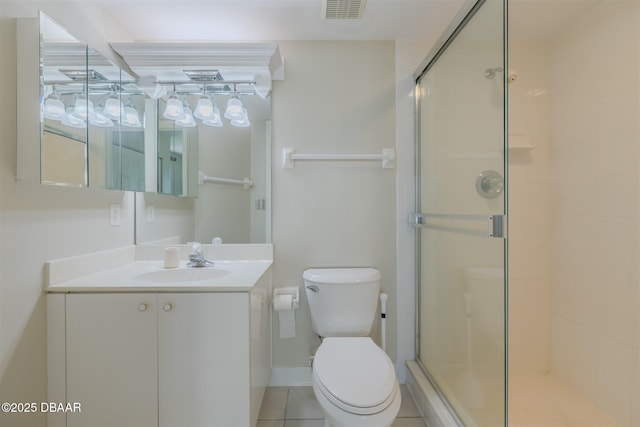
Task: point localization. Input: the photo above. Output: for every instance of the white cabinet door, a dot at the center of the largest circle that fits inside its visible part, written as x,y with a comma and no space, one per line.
203,360
112,359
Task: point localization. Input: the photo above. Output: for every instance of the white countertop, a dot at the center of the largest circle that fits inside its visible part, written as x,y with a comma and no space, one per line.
151,276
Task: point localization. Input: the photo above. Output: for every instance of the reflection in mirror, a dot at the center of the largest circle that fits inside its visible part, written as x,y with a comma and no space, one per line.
233,202
63,92
91,114
116,133
177,156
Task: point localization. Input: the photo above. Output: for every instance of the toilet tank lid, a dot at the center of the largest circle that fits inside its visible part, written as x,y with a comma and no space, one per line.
342,275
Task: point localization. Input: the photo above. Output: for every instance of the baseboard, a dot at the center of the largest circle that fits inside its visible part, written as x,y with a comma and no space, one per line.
289,377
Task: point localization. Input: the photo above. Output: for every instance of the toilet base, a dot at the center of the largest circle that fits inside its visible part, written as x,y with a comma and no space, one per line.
336,417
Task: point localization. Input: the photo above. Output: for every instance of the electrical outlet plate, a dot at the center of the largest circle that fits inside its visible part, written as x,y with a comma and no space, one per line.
151,214
115,214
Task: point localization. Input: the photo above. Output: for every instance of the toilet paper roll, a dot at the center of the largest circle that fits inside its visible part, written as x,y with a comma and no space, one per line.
283,304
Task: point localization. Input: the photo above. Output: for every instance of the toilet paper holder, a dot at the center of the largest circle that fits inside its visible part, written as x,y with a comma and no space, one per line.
294,291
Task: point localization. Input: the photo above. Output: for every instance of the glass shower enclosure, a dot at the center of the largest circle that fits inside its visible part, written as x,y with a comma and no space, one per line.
460,215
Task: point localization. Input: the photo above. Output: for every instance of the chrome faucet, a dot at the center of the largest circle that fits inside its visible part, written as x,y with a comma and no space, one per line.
196,257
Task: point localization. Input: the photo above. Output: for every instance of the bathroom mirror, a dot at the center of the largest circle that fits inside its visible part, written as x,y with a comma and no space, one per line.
63,62
116,127
233,189
177,156
92,116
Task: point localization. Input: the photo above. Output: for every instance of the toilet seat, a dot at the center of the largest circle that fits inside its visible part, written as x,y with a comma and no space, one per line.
355,374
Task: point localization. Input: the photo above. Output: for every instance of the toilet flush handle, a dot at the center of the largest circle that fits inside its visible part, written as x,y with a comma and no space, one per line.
313,288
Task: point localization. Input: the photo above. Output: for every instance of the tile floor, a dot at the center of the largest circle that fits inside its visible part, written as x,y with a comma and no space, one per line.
297,407
542,400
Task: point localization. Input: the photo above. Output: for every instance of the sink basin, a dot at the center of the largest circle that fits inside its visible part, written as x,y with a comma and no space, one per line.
183,275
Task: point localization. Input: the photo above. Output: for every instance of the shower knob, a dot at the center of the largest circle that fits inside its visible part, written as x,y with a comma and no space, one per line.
490,184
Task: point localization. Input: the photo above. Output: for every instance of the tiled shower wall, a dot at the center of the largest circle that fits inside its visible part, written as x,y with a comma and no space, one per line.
594,117
529,211
574,279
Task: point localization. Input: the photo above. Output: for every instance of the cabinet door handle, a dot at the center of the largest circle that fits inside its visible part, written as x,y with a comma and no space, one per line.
167,307
142,307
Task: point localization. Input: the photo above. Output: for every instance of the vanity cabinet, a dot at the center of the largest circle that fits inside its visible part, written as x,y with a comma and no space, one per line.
162,359
112,359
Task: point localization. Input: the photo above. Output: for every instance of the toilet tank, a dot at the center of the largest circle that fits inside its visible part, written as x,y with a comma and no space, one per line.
343,301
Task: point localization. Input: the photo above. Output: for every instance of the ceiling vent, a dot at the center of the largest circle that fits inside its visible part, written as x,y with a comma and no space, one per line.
84,75
343,9
203,75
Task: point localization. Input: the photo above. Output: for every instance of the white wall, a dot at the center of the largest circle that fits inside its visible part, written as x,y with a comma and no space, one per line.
337,97
595,105
38,223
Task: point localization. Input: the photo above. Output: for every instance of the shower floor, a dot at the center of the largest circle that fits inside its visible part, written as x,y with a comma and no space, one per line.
543,401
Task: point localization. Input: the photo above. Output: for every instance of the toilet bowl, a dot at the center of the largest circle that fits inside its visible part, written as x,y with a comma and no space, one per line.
353,379
355,383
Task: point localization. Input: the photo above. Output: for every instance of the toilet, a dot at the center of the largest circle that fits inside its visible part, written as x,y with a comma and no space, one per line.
353,379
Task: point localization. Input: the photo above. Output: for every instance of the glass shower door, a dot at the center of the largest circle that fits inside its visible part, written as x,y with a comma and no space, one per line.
460,217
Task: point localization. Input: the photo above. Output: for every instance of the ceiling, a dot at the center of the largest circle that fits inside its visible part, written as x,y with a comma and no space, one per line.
242,20
274,20
259,20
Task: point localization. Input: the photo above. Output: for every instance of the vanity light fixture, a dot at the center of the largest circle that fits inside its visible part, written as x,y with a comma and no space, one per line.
130,116
204,108
242,122
174,109
235,110
215,120
54,107
72,121
213,123
82,107
113,107
187,121
100,120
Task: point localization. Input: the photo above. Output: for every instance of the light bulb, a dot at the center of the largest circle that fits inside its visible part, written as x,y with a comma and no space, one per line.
54,108
187,121
112,107
82,107
215,122
242,122
100,120
174,109
234,109
204,108
72,121
130,117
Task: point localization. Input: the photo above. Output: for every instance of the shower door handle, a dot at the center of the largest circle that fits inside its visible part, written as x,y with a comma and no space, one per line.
497,226
455,223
